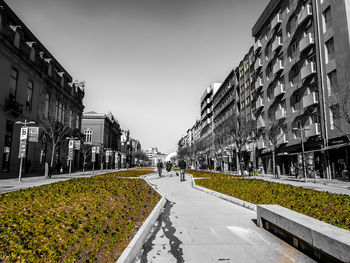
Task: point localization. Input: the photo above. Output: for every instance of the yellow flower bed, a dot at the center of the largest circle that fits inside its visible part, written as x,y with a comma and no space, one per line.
205,174
330,208
85,220
130,173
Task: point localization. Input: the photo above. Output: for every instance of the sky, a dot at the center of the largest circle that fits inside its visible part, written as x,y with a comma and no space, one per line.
146,61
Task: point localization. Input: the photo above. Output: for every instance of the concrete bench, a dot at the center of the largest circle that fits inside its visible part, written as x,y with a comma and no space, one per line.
326,242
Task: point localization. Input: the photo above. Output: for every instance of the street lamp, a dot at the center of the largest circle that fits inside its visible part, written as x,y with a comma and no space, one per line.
302,129
23,144
71,151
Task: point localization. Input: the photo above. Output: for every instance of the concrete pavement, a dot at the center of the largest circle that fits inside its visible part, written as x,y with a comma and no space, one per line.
197,227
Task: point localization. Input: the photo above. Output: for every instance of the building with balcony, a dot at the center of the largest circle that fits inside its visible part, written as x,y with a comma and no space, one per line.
34,87
304,48
293,77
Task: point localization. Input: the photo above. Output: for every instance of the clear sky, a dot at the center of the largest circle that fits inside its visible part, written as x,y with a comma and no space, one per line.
146,61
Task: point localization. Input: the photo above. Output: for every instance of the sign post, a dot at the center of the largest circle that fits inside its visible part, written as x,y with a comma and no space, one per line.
22,148
70,154
93,158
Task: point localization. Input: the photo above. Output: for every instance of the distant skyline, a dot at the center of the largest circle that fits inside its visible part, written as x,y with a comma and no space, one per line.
148,62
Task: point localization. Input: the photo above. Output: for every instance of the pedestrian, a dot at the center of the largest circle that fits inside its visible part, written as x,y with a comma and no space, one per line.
250,168
169,165
160,167
182,166
292,171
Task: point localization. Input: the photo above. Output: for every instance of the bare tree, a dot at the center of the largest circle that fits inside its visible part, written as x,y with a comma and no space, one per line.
85,149
237,130
54,132
272,133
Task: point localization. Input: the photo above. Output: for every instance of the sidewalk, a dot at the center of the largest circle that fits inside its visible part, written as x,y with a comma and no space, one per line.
198,227
10,185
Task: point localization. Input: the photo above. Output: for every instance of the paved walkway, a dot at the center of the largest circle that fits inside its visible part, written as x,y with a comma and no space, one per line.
332,186
10,185
197,227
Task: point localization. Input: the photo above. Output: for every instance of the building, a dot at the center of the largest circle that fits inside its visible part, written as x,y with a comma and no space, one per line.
302,53
35,87
154,155
103,131
291,89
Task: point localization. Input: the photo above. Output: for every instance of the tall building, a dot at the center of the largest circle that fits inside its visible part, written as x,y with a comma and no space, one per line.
293,88
302,51
34,87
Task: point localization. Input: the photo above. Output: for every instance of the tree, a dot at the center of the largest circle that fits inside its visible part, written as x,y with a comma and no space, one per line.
272,133
238,130
86,150
53,133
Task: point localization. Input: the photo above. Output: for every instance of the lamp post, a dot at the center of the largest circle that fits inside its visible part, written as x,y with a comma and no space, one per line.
302,130
71,151
23,144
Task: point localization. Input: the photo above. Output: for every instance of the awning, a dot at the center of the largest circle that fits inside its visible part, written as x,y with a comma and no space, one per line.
337,146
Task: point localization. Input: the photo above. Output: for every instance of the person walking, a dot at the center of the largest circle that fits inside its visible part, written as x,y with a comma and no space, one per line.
182,166
160,167
169,165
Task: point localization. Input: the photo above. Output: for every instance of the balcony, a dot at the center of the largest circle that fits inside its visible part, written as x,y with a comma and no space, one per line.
307,41
259,83
261,145
260,123
276,20
257,45
282,138
276,43
312,130
280,114
13,106
279,89
304,14
258,63
259,103
278,66
308,70
310,99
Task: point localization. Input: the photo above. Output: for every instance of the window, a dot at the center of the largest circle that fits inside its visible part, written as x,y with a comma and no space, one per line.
294,49
56,110
13,83
63,113
327,19
88,135
334,117
77,122
47,105
332,82
330,50
295,101
29,95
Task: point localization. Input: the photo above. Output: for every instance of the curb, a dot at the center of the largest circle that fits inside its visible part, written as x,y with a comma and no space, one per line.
228,198
134,248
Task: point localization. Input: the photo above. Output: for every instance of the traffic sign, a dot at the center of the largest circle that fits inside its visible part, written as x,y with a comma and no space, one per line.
22,149
24,133
33,134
